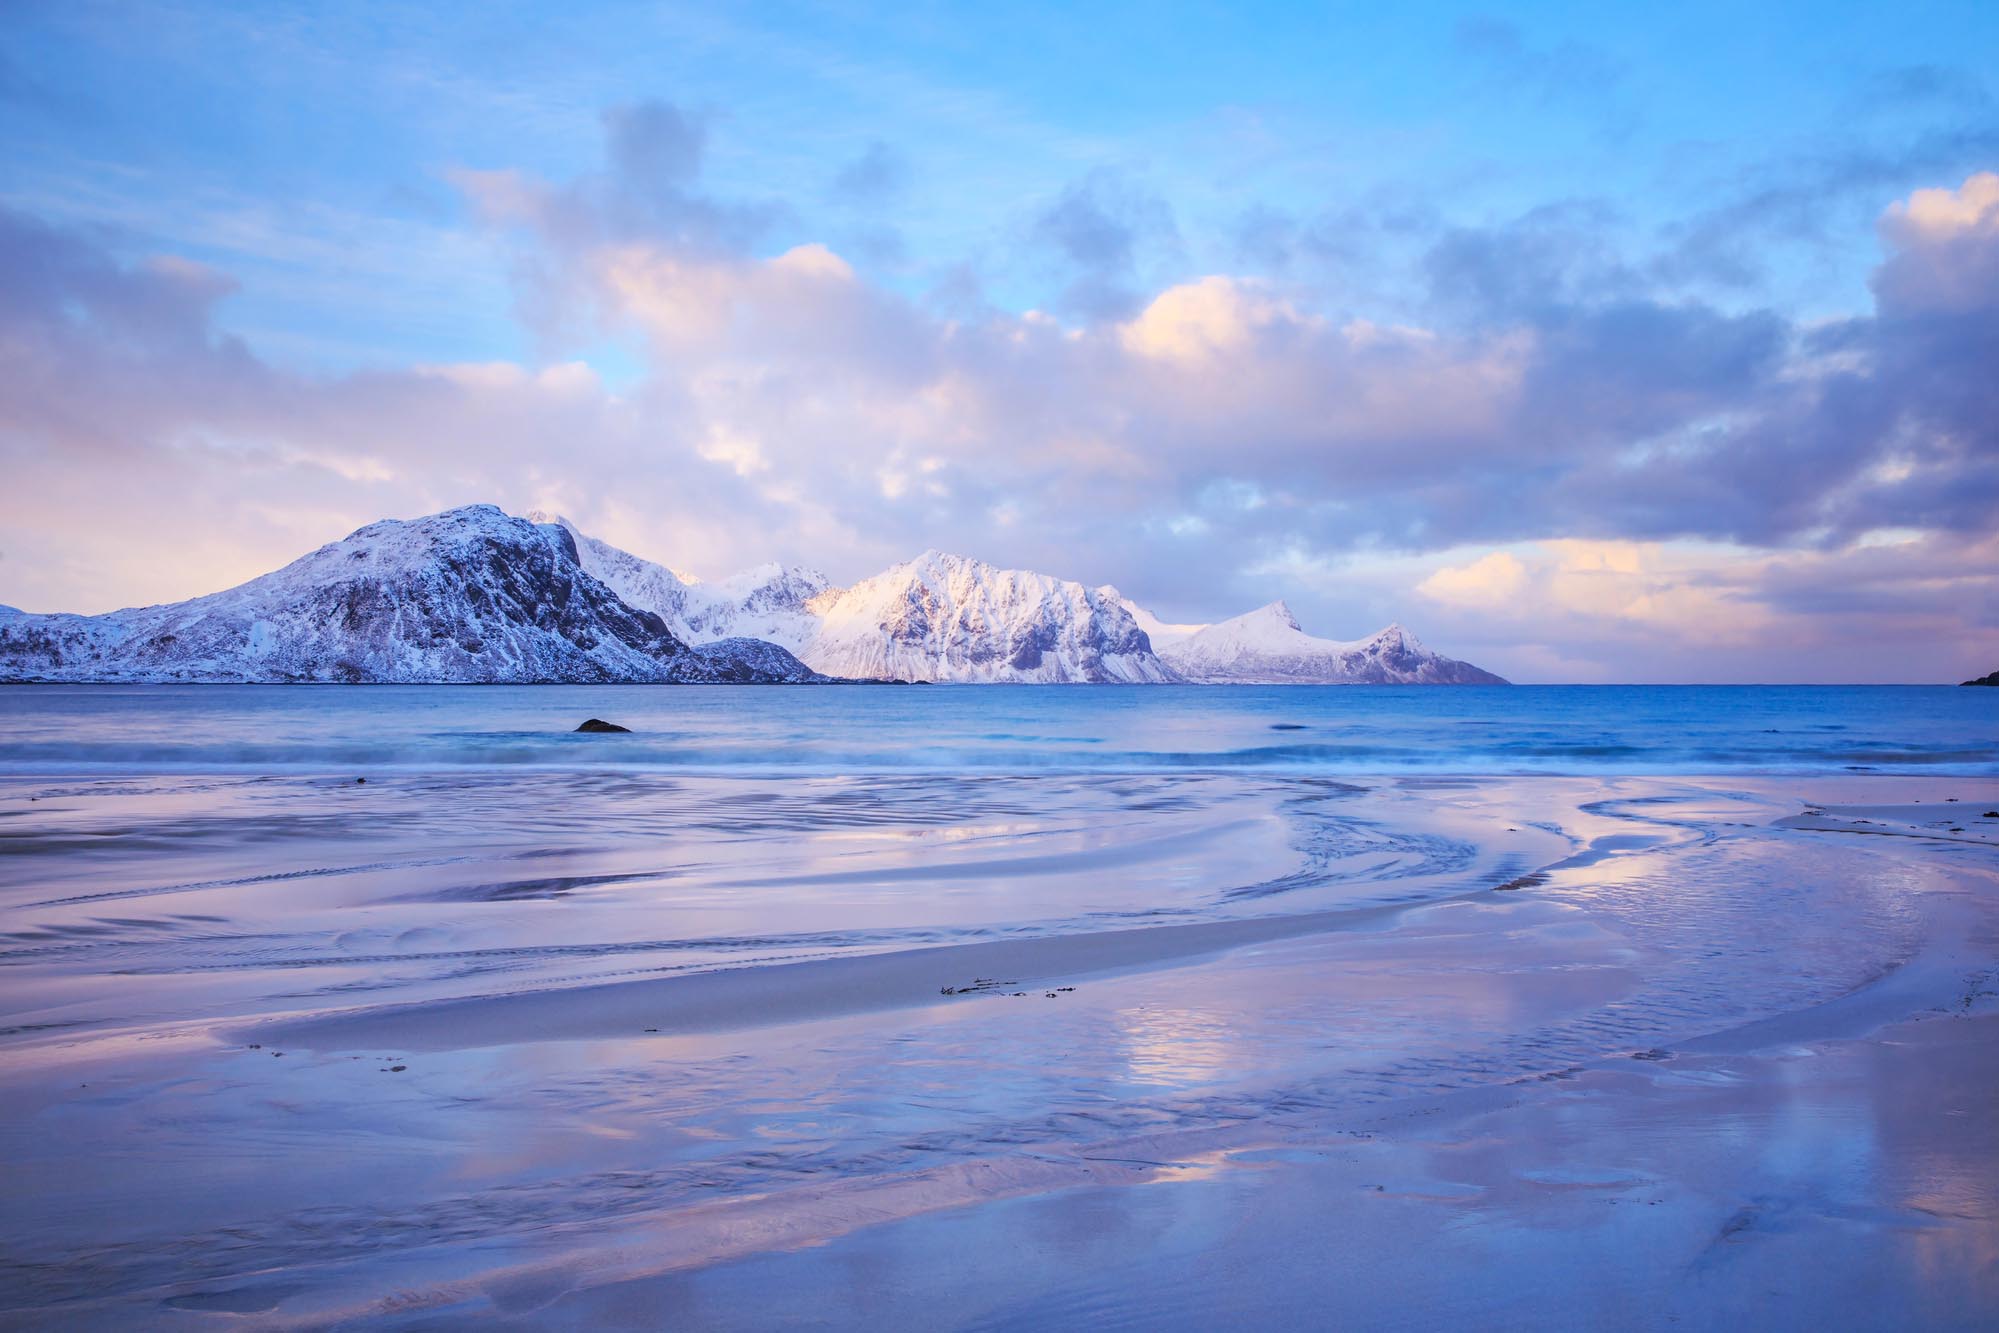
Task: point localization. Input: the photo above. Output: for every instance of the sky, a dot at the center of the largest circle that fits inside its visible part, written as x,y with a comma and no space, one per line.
1591,343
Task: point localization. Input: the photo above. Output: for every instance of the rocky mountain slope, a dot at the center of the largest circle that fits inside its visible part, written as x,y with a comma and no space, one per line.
469,595
1266,647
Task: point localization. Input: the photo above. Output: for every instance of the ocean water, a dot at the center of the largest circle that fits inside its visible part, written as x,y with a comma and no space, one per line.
1518,730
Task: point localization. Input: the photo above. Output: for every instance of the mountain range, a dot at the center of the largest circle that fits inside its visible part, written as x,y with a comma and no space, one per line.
473,595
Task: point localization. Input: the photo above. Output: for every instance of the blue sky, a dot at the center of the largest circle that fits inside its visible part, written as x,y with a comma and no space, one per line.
1670,220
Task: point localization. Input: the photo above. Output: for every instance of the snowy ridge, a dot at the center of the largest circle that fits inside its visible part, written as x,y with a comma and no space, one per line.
766,603
1266,647
638,583
1162,635
468,595
950,618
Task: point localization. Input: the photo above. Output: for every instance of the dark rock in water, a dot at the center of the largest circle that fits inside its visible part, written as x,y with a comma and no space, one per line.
1992,679
599,724
1287,726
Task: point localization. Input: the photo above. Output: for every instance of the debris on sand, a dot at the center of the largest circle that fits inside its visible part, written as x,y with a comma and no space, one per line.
979,986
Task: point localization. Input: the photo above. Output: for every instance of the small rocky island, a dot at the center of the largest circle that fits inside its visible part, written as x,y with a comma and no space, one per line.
1992,679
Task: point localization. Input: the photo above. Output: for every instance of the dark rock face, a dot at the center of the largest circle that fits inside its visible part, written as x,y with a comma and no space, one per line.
1992,679
1035,642
598,724
466,596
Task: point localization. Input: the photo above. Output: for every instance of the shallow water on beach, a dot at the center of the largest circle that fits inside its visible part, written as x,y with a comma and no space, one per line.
555,1043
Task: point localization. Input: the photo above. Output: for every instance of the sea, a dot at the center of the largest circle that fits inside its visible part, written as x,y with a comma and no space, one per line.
1497,731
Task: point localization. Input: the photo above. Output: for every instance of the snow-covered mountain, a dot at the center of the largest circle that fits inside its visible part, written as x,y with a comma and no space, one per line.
468,595
1266,647
637,582
766,603
1162,635
949,618
935,618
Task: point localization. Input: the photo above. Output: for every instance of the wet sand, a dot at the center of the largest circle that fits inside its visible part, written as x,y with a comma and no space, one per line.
625,1051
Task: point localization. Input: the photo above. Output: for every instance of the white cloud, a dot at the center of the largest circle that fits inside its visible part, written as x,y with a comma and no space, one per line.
1936,214
1646,583
1199,321
1493,582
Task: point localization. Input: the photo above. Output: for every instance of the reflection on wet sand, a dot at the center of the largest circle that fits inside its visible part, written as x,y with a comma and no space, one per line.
1175,1047
287,1049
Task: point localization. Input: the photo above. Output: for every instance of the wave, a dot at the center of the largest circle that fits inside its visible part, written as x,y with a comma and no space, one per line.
1540,760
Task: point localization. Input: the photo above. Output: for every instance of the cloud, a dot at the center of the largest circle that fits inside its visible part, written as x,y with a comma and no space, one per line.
1945,250
1568,72
1550,258
1098,228
1553,433
150,456
1642,583
648,192
649,189
1911,609
1802,205
871,179
1493,581
1200,321
1898,88
655,147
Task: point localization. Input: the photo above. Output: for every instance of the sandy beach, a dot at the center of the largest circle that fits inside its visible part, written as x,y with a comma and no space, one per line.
589,1050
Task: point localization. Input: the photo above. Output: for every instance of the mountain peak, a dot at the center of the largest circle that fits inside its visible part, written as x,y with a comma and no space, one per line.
946,562
942,616
1394,636
482,515
1278,611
